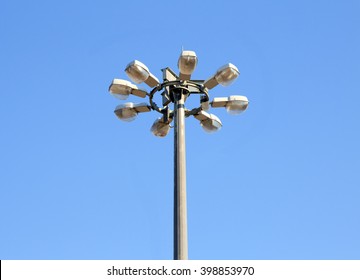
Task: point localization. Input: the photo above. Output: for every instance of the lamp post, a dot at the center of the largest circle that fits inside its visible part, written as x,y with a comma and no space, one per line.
175,89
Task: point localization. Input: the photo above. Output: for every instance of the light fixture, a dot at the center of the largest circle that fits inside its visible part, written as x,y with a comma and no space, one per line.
209,122
187,63
127,112
139,73
174,91
237,104
122,89
234,104
160,128
225,75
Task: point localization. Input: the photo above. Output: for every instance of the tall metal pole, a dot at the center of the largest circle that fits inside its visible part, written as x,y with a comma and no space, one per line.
180,213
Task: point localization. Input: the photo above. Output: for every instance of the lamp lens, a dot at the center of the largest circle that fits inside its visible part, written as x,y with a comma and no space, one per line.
120,96
137,73
159,128
120,91
187,64
227,75
126,114
211,125
236,107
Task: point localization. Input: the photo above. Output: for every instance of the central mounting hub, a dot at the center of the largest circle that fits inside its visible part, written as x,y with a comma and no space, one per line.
177,91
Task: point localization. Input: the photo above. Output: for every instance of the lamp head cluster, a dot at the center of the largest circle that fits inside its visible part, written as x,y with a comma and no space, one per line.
172,86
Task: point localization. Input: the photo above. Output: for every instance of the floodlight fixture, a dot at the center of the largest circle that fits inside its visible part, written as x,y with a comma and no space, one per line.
160,128
225,76
237,104
122,89
139,73
234,104
187,63
127,112
209,122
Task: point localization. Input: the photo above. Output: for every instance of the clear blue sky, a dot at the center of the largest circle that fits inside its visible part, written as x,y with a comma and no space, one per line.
281,181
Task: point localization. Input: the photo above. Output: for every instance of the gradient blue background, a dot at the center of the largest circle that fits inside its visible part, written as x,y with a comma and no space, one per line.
281,181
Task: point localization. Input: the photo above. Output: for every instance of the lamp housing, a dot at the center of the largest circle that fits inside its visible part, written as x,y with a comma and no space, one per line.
127,112
122,89
234,104
187,63
139,73
209,122
225,76
237,104
160,128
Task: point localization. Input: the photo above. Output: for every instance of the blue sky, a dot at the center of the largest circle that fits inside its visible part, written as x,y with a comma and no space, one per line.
280,181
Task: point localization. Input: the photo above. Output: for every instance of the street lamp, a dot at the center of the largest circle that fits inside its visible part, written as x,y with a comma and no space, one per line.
138,73
187,63
122,89
174,91
234,104
209,122
225,76
160,127
128,111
